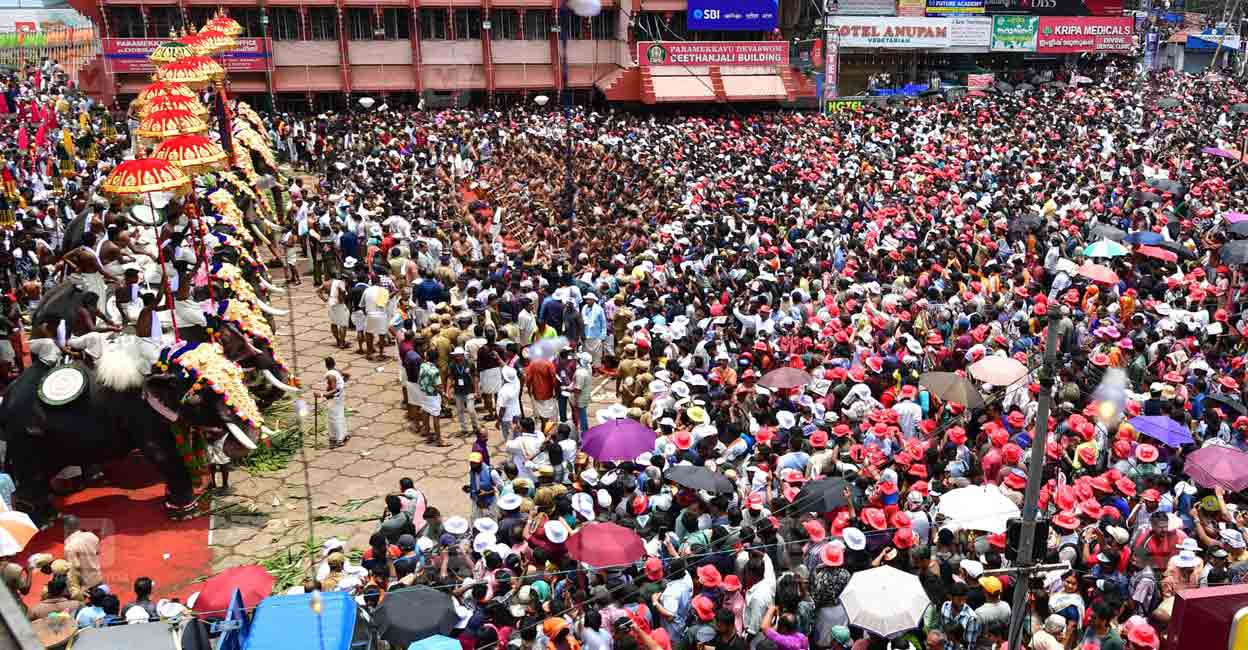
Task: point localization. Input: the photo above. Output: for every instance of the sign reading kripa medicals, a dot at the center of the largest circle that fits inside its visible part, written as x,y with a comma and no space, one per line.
731,53
892,33
1093,34
1014,33
733,15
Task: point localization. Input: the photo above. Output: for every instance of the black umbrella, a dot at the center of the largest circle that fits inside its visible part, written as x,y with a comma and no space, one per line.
74,232
1234,252
1239,108
1168,102
1178,249
413,613
1240,228
824,495
1230,402
699,478
1103,231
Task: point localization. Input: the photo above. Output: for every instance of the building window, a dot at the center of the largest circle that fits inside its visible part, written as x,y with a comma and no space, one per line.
162,20
574,24
199,16
602,26
249,19
397,24
360,24
467,24
433,24
536,25
505,24
323,23
285,21
125,22
654,26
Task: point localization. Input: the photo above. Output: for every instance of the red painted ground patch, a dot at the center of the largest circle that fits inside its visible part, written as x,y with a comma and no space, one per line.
135,534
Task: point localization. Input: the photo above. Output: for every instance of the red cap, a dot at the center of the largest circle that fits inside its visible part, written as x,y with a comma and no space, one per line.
654,568
875,518
814,530
704,607
708,576
832,555
1146,453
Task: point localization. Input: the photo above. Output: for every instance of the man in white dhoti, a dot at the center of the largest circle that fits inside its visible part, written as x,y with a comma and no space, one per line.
334,293
335,395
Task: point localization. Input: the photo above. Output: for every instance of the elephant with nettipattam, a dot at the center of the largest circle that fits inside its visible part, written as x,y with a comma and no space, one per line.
122,404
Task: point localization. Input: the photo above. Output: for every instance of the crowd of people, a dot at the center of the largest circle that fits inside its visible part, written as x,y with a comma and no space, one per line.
689,257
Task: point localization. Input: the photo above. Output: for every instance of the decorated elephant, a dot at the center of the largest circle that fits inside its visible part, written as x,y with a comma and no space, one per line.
191,399
247,339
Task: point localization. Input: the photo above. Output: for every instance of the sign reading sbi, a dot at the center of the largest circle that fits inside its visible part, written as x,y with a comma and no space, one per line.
741,15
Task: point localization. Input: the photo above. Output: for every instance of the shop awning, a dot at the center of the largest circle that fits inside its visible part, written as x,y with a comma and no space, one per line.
683,89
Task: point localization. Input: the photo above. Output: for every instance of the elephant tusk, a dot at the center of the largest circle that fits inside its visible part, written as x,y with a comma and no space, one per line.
267,431
240,436
269,310
272,225
269,286
268,374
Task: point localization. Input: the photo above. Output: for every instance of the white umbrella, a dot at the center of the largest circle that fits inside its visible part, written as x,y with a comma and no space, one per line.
977,507
884,600
16,530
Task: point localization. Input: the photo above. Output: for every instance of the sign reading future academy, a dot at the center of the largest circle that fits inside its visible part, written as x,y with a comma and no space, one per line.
1055,7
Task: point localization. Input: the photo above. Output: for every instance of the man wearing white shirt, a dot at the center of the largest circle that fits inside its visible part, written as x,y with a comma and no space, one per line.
526,448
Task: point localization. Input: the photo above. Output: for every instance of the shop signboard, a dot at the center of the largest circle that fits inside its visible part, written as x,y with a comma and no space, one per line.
860,7
912,8
847,104
890,33
732,15
979,80
1014,33
1071,35
831,68
1208,40
1151,45
970,32
1055,7
707,53
954,7
125,55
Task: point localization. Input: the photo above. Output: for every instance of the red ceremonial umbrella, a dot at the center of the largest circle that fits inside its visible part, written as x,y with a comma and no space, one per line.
252,580
605,544
1098,273
1159,253
786,377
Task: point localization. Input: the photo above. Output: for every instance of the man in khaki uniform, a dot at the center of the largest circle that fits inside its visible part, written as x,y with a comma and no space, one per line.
629,366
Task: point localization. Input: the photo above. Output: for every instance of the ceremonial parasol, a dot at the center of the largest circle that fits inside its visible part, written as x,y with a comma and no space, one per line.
185,71
168,123
605,544
207,65
173,103
226,25
195,154
170,51
134,177
211,40
161,88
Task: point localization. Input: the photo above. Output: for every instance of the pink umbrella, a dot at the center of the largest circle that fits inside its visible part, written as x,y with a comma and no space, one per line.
1218,465
785,377
998,370
1159,253
1234,217
605,544
1098,273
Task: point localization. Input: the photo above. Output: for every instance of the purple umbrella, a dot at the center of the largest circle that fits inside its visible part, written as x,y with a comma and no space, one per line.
1162,429
1234,217
1221,153
1218,465
622,439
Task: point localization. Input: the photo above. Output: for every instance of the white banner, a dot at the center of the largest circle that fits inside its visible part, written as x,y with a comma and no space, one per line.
891,33
970,32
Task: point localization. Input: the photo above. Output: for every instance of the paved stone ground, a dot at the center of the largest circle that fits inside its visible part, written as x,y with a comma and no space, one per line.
268,512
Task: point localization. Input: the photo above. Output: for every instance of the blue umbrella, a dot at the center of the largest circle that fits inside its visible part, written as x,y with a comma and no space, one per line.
1162,429
435,642
1104,248
1143,238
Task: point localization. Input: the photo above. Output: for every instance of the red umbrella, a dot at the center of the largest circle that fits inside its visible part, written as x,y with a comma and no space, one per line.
1217,465
605,544
1098,273
253,580
1159,253
786,377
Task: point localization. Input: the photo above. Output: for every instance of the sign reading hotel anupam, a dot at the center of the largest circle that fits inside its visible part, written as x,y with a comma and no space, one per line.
894,33
706,53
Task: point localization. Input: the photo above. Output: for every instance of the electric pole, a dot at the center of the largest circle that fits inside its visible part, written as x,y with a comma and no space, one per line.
1035,473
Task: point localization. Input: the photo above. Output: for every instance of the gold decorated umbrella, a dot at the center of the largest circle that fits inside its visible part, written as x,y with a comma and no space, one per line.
168,123
174,102
226,25
207,65
186,71
194,154
163,88
170,51
211,40
134,178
